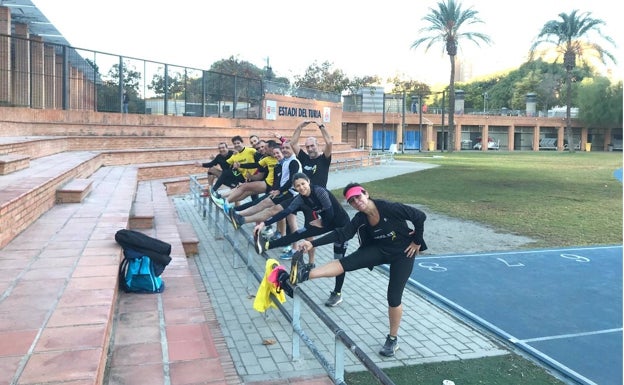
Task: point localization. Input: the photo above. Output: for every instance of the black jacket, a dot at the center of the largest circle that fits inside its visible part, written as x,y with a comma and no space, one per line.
391,233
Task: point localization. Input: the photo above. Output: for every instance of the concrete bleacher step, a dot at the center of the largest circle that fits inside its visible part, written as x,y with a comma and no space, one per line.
74,191
59,287
171,337
141,216
189,238
142,212
28,193
13,162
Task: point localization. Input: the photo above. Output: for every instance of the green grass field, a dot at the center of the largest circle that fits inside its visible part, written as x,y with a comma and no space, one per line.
558,199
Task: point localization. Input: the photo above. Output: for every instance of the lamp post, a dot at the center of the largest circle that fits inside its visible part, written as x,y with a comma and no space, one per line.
419,123
443,98
403,125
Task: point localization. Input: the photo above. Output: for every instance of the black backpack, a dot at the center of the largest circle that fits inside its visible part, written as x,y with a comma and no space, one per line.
145,259
157,250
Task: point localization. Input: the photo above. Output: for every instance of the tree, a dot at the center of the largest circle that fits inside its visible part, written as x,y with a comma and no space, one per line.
108,94
357,83
234,66
444,27
323,78
571,37
601,104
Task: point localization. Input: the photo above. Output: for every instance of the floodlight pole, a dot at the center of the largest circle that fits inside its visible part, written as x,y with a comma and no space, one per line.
403,126
419,123
443,141
383,124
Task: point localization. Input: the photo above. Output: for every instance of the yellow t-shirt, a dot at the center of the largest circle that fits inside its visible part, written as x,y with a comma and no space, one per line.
269,163
245,156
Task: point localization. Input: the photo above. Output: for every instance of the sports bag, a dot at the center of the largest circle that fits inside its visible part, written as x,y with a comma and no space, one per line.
137,274
145,245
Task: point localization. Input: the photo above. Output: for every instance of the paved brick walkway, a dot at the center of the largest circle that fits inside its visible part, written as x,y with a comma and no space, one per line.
427,332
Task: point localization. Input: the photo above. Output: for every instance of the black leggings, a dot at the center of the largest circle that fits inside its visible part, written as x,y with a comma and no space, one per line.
400,268
302,233
340,249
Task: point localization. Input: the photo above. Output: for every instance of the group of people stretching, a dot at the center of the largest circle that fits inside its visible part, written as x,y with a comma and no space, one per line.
296,181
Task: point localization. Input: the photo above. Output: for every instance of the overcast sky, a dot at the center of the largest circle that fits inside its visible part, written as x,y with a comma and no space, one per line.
359,38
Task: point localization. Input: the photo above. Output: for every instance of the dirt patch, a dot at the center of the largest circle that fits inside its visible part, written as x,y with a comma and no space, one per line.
447,235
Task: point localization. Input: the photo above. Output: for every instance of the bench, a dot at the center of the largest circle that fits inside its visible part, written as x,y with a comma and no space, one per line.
189,238
548,144
74,191
13,162
384,156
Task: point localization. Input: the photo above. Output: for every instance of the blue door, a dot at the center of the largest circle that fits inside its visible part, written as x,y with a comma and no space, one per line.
382,139
411,140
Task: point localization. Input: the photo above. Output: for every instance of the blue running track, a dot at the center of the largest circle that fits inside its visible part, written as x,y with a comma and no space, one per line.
563,306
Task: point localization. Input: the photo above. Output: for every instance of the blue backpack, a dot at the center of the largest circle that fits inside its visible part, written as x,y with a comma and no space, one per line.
137,274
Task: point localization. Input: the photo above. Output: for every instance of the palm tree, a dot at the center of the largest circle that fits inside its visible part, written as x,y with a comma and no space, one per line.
569,35
444,27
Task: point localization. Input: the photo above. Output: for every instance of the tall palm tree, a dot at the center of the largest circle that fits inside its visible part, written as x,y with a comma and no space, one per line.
444,27
570,36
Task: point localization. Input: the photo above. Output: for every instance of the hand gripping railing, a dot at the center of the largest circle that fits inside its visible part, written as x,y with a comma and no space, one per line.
221,224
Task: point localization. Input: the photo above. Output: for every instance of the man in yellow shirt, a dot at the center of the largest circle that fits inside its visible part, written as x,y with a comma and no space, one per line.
231,177
266,165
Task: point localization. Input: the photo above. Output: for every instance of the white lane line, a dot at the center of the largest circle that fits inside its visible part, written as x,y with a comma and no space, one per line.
561,336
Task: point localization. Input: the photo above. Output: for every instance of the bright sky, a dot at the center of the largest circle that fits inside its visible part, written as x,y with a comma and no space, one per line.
359,38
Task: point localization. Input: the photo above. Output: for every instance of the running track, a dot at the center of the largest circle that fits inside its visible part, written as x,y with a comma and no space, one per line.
563,306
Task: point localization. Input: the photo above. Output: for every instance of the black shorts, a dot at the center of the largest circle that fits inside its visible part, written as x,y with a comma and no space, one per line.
308,215
283,197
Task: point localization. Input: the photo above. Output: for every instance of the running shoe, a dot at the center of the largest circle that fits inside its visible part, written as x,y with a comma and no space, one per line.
237,219
215,193
334,299
283,278
227,207
217,201
260,243
288,255
268,232
286,249
390,347
299,272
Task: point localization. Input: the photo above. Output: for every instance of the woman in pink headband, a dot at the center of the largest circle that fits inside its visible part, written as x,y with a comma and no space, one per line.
385,238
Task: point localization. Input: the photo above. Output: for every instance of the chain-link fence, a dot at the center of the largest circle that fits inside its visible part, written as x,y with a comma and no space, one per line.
37,74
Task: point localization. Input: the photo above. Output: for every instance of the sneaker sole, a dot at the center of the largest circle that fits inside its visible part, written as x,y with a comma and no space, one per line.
257,243
232,219
216,201
391,354
297,260
333,304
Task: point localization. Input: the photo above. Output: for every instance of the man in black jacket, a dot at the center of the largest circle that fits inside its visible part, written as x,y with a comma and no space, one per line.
216,165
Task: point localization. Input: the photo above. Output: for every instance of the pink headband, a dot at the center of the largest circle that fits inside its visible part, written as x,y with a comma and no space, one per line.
353,191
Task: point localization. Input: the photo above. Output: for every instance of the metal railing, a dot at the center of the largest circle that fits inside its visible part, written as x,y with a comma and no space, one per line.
39,74
343,342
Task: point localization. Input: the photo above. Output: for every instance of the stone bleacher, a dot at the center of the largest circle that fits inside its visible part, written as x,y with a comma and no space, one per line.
62,317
